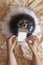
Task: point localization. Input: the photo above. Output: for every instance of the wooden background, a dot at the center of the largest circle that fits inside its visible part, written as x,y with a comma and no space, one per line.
37,7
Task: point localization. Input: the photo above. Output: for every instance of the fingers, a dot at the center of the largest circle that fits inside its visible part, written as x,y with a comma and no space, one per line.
11,40
14,43
30,44
31,39
27,41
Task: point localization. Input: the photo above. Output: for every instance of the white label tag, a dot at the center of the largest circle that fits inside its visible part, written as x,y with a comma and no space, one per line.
22,36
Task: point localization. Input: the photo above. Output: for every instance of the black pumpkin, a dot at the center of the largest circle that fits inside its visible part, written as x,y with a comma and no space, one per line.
23,22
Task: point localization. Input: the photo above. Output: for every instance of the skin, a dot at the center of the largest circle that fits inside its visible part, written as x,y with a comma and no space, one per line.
11,55
36,60
10,47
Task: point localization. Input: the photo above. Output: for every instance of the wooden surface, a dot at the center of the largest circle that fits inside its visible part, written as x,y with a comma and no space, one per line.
37,7
3,10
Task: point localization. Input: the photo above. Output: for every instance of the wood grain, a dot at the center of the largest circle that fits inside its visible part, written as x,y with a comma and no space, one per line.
3,11
37,7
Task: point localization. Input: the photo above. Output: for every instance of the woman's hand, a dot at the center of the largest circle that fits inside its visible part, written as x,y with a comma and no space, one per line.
11,43
33,43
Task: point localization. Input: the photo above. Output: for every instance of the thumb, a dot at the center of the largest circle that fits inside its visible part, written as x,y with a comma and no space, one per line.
29,43
14,43
10,41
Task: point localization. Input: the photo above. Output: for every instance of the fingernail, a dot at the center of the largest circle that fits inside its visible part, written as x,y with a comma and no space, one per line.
30,41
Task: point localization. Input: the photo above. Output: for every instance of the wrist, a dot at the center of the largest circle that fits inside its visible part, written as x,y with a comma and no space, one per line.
9,51
35,53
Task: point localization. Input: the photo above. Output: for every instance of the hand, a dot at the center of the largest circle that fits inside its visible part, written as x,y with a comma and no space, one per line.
11,43
32,45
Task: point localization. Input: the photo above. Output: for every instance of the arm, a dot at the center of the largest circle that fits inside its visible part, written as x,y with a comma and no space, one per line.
36,60
10,47
11,59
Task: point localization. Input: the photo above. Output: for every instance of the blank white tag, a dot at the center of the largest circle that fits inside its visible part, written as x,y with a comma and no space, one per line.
22,36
